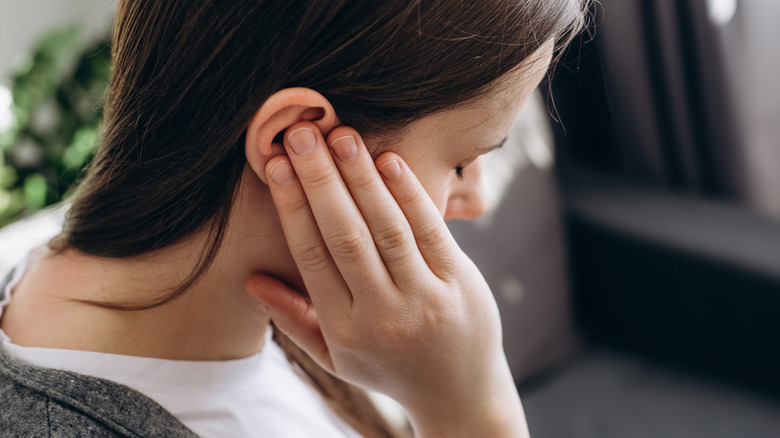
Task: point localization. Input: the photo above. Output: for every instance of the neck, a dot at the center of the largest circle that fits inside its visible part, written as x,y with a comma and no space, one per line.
214,319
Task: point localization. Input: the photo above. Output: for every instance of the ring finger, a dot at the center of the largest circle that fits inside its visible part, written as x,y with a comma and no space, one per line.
389,227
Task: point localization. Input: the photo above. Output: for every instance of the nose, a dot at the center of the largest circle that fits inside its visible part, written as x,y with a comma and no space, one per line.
468,200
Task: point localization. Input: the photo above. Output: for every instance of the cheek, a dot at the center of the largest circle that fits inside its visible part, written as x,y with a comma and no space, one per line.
440,200
436,184
430,168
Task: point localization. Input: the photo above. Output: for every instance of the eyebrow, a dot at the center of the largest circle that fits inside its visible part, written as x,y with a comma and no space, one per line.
493,147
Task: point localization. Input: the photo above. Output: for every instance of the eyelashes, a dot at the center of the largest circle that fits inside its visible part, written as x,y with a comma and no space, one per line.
459,172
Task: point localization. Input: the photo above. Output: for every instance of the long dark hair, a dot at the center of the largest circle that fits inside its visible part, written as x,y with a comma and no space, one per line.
189,75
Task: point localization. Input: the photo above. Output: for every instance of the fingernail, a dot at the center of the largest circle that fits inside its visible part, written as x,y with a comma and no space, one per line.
302,141
345,147
282,173
390,170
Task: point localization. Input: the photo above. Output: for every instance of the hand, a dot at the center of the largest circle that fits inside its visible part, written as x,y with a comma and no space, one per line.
395,305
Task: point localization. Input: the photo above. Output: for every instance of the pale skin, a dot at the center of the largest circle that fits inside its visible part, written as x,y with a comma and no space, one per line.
395,306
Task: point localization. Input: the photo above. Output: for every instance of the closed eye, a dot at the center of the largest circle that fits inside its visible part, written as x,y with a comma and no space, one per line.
460,169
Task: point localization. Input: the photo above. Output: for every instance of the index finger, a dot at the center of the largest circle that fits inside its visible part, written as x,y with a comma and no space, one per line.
306,245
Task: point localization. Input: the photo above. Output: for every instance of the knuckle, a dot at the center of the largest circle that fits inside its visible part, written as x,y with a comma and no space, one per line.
295,205
361,180
392,238
350,245
430,234
313,256
411,196
319,177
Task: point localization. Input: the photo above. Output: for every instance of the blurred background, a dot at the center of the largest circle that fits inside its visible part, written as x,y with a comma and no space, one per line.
634,240
54,66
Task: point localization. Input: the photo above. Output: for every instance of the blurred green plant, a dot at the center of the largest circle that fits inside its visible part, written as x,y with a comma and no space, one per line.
50,128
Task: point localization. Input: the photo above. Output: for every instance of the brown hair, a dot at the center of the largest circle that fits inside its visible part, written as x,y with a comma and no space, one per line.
188,76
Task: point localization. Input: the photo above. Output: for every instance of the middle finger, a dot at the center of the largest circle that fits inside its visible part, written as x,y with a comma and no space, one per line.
389,227
341,224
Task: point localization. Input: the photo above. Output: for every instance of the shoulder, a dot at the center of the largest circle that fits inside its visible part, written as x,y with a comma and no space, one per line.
46,402
27,412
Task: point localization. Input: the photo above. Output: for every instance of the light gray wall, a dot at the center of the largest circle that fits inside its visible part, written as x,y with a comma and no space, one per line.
22,22
760,96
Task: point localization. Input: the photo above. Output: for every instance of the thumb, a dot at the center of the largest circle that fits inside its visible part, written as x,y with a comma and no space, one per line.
293,314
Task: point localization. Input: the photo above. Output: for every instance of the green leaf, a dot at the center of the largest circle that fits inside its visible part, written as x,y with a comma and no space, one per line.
79,151
35,191
5,201
36,79
11,205
8,176
57,93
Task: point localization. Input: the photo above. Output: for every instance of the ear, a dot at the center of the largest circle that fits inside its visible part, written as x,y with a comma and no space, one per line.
280,111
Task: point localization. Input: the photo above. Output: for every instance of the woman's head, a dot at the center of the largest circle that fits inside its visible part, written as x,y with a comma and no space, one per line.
190,76
196,83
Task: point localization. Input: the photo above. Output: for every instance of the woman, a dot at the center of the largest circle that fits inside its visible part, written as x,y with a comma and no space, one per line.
287,161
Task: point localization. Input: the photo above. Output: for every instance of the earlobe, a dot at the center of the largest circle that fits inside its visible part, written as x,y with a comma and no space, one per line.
280,111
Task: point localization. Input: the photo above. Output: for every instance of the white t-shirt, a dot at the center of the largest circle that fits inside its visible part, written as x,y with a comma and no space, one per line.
260,395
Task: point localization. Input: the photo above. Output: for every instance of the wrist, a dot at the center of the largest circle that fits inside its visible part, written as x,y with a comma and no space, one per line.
491,409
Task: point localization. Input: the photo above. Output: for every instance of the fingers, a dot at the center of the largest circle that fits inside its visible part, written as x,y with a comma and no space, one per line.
318,202
389,228
431,234
292,314
364,237
303,237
